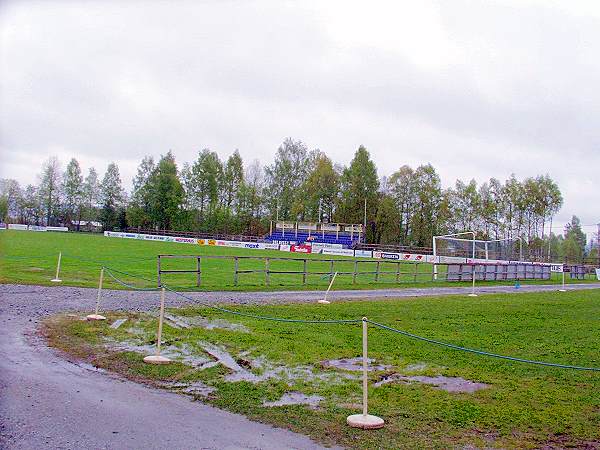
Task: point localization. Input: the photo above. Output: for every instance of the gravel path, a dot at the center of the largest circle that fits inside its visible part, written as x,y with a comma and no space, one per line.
46,402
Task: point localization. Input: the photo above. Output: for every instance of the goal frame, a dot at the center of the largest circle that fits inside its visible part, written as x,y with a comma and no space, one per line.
473,241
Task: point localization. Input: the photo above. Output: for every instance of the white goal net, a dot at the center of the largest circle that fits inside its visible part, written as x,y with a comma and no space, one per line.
463,247
460,246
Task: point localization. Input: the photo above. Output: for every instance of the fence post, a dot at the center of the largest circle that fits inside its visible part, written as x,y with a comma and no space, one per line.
199,274
377,272
304,274
235,275
331,268
158,358
365,420
355,270
97,316
158,268
416,272
267,274
398,272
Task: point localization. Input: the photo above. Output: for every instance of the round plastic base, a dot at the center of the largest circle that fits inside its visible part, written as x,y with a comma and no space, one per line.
324,302
56,280
367,422
156,359
95,317
562,290
472,295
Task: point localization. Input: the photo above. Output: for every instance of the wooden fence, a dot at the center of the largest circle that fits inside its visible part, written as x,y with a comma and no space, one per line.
399,272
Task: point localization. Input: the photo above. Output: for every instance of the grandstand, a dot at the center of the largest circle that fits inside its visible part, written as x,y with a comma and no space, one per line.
346,235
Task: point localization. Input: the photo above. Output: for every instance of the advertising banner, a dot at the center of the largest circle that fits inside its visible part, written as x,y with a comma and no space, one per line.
598,274
17,226
322,245
556,268
304,248
61,229
337,252
363,253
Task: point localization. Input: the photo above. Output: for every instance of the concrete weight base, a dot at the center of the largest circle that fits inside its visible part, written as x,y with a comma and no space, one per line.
367,422
156,359
95,317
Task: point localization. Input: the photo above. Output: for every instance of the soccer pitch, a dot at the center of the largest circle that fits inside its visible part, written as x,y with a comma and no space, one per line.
31,258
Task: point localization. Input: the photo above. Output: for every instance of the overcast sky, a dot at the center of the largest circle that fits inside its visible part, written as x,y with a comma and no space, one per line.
478,89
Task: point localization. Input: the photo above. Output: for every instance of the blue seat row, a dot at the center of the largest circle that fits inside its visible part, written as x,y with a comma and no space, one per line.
302,237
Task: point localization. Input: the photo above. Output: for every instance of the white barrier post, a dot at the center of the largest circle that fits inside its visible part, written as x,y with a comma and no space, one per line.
56,279
473,294
365,420
325,301
158,358
563,289
97,316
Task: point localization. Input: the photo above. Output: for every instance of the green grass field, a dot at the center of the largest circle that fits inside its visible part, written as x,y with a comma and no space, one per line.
524,406
30,258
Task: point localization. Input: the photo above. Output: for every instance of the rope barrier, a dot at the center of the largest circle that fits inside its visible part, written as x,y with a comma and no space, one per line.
275,319
305,321
481,352
379,325
130,286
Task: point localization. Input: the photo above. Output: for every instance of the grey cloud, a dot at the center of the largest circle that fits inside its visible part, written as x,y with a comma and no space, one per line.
114,81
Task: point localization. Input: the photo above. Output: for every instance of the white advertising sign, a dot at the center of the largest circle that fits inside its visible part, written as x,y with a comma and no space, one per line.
556,268
337,252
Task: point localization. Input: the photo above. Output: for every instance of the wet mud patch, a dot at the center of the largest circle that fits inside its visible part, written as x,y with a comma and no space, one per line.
448,384
295,398
259,369
180,322
183,354
352,364
196,388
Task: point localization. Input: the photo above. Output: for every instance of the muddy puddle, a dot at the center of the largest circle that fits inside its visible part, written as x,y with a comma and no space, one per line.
259,369
193,388
183,353
180,322
295,398
117,323
352,364
448,384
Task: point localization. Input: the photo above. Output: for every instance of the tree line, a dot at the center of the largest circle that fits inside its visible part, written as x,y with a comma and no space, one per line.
226,196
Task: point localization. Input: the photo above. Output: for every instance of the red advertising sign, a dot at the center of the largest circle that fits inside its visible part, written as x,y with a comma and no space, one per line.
304,248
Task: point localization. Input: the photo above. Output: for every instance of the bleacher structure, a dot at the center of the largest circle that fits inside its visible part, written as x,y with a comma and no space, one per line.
345,235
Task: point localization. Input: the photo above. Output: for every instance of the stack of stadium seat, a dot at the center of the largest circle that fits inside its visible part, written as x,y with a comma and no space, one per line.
301,237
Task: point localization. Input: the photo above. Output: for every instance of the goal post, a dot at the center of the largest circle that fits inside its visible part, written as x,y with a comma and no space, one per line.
435,248
455,246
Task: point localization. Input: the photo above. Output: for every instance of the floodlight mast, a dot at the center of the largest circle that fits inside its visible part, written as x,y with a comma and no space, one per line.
435,267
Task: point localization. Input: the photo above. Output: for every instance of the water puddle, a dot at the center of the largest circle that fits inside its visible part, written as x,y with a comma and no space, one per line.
194,388
90,367
203,322
295,398
352,364
240,369
448,384
117,323
183,354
